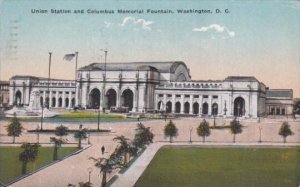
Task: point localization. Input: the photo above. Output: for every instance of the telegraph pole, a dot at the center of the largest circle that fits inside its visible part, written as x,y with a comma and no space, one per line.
47,100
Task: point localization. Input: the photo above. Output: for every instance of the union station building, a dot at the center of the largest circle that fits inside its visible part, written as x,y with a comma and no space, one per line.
154,86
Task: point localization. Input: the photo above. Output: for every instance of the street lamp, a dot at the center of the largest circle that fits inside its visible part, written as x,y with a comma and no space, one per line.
260,128
191,134
90,171
37,134
42,117
98,124
89,136
214,114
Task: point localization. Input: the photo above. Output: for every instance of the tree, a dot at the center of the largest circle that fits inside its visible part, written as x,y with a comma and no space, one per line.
235,128
15,128
285,131
29,154
203,130
296,108
81,134
125,148
106,165
171,130
61,131
57,143
143,136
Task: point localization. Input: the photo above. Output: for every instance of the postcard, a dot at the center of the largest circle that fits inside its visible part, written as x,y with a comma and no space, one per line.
149,93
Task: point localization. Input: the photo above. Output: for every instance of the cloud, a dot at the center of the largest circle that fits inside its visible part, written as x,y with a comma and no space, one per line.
217,28
108,24
146,25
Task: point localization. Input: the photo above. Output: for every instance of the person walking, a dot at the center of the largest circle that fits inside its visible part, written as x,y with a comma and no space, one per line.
102,149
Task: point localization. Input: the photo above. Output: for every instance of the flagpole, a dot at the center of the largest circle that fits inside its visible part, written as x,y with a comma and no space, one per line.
76,53
47,101
76,60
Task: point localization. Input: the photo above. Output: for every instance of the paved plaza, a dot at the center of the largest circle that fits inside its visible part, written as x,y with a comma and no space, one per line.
74,169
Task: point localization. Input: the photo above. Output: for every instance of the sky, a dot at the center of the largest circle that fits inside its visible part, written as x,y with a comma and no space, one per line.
252,38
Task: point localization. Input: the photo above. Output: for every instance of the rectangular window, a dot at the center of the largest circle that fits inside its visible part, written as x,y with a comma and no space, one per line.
187,96
196,96
160,95
205,96
178,96
169,95
215,97
67,92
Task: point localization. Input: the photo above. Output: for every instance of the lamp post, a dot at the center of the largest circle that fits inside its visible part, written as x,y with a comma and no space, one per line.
89,136
48,91
98,124
42,117
260,128
214,114
90,171
37,134
191,128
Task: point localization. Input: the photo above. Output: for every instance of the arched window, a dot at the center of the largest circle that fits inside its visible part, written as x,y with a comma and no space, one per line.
186,107
177,107
239,106
195,108
205,108
94,99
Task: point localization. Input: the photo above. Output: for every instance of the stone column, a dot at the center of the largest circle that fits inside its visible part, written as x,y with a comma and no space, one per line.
165,102
173,103
56,99
50,99
134,101
44,97
182,104
191,104
70,99
200,104
209,105
64,100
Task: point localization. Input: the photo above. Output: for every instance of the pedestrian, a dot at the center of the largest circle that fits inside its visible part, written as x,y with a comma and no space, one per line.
102,149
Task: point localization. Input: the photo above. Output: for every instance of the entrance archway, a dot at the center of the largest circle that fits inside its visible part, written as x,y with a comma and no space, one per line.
111,98
169,107
18,98
239,106
42,101
53,102
60,102
195,108
177,107
205,108
73,102
214,109
94,98
127,96
67,102
186,107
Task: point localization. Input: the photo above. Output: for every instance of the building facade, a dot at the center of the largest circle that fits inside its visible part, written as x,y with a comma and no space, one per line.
150,86
4,94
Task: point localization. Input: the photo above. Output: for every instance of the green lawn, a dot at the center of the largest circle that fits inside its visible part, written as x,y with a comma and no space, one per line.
10,166
78,117
240,167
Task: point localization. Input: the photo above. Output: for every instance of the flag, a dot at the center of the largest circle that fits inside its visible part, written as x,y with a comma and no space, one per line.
69,57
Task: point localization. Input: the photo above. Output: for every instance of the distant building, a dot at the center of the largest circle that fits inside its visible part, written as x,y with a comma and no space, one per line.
149,86
4,94
279,101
